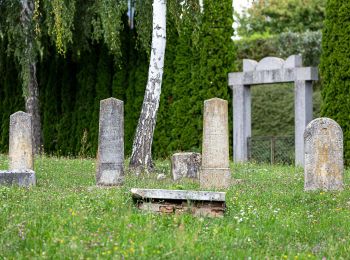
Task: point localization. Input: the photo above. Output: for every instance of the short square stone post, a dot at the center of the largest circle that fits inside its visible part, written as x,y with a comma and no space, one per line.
215,151
110,155
21,155
303,115
324,164
185,165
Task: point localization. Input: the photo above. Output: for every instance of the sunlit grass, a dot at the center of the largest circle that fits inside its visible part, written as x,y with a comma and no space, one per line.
268,215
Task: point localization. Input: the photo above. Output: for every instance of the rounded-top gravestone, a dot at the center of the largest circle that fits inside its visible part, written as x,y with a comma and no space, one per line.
324,163
21,155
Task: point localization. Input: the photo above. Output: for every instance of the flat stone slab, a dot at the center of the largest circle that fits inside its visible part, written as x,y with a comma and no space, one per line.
178,195
197,203
23,178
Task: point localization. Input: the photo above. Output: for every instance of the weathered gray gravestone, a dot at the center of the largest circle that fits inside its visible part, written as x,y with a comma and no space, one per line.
215,171
110,155
21,155
324,164
185,165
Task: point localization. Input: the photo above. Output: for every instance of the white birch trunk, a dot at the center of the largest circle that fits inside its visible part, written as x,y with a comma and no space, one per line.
201,5
31,91
141,157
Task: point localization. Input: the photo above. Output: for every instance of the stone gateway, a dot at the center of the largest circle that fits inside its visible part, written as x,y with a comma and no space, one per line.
271,70
324,163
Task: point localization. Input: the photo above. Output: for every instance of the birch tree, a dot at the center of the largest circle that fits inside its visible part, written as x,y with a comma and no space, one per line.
141,157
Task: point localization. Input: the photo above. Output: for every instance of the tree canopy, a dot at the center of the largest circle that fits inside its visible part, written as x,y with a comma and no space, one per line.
276,16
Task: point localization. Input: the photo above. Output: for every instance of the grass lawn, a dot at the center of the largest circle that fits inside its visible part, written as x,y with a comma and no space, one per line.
268,216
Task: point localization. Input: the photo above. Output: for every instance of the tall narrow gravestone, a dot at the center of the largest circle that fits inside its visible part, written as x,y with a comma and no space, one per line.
20,144
110,155
215,151
324,164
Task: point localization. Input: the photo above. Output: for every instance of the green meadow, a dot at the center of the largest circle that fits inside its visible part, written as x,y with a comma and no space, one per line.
269,216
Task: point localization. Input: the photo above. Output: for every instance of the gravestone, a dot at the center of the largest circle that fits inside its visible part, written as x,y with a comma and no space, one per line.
215,172
110,155
324,164
21,156
185,165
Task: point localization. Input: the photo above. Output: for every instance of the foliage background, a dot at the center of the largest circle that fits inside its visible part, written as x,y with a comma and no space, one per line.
199,55
71,86
335,67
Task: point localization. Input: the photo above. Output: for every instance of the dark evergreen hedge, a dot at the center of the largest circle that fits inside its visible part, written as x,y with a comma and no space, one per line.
335,67
11,99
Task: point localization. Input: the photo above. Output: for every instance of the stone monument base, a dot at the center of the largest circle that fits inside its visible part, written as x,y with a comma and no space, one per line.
215,178
109,174
23,178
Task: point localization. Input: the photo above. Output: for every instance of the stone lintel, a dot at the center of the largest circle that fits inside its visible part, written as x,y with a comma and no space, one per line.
178,195
23,178
273,76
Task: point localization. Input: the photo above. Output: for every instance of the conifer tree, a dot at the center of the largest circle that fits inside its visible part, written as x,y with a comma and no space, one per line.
335,67
202,63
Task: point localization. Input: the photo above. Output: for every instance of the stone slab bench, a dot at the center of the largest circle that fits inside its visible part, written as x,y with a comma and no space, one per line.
198,203
23,178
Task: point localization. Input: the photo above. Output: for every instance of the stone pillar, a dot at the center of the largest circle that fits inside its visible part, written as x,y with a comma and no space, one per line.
324,165
110,155
303,115
241,122
21,156
215,150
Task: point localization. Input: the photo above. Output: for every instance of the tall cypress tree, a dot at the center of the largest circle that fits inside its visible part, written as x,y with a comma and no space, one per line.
335,67
84,105
10,93
202,63
185,120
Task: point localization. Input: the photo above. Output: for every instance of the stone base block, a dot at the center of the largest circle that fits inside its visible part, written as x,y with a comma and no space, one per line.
185,165
109,174
23,178
215,178
336,185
